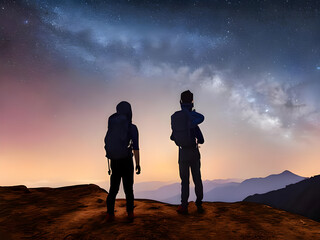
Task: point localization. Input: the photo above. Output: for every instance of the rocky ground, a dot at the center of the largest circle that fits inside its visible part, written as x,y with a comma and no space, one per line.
78,212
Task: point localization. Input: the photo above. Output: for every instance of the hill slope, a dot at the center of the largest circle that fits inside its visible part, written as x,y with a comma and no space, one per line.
78,212
302,198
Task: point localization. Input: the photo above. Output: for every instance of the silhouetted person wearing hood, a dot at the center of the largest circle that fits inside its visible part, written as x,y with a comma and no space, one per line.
187,136
121,143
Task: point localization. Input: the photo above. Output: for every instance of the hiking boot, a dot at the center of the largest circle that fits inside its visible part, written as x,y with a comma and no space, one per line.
182,210
200,209
110,217
130,216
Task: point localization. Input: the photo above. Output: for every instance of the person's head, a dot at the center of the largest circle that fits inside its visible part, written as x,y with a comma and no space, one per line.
125,109
186,97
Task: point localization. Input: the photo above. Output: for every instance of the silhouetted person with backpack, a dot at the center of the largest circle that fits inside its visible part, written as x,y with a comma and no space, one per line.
121,143
187,135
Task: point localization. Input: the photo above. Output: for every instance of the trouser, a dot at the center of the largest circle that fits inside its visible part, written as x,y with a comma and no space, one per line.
121,169
190,159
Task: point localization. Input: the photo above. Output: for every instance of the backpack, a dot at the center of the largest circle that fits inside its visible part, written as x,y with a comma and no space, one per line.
180,125
117,137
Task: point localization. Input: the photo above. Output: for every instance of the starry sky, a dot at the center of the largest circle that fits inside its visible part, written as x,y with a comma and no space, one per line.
253,66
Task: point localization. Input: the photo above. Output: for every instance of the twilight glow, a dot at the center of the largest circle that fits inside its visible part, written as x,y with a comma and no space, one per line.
64,65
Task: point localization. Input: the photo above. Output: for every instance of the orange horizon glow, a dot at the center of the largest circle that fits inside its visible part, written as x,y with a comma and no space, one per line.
68,147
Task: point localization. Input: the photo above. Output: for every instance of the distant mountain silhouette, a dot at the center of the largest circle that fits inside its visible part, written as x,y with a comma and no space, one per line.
160,193
171,193
302,198
176,199
237,192
142,187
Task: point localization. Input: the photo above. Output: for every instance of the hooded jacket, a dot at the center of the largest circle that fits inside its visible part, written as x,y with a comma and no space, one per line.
124,108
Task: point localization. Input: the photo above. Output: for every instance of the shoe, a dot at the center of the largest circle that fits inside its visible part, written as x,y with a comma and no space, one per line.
110,217
200,209
182,210
130,216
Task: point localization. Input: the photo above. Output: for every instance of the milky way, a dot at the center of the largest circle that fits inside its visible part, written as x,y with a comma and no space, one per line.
252,66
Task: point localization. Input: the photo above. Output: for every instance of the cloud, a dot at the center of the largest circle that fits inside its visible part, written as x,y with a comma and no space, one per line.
273,91
258,66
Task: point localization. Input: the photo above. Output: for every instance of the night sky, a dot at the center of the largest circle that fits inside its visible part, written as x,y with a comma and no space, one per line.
254,68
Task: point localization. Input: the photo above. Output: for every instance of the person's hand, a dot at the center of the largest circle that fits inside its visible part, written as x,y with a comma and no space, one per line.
138,169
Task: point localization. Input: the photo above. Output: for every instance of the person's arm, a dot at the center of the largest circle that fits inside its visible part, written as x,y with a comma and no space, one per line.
135,147
196,118
136,154
199,136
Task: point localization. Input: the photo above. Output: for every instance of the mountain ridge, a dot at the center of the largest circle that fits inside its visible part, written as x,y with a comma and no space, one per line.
251,186
224,190
301,198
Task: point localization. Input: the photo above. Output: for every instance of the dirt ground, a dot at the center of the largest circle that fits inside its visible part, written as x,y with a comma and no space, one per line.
78,212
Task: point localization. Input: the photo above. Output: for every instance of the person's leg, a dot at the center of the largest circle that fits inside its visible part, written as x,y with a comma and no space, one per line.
196,175
115,180
127,178
184,175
